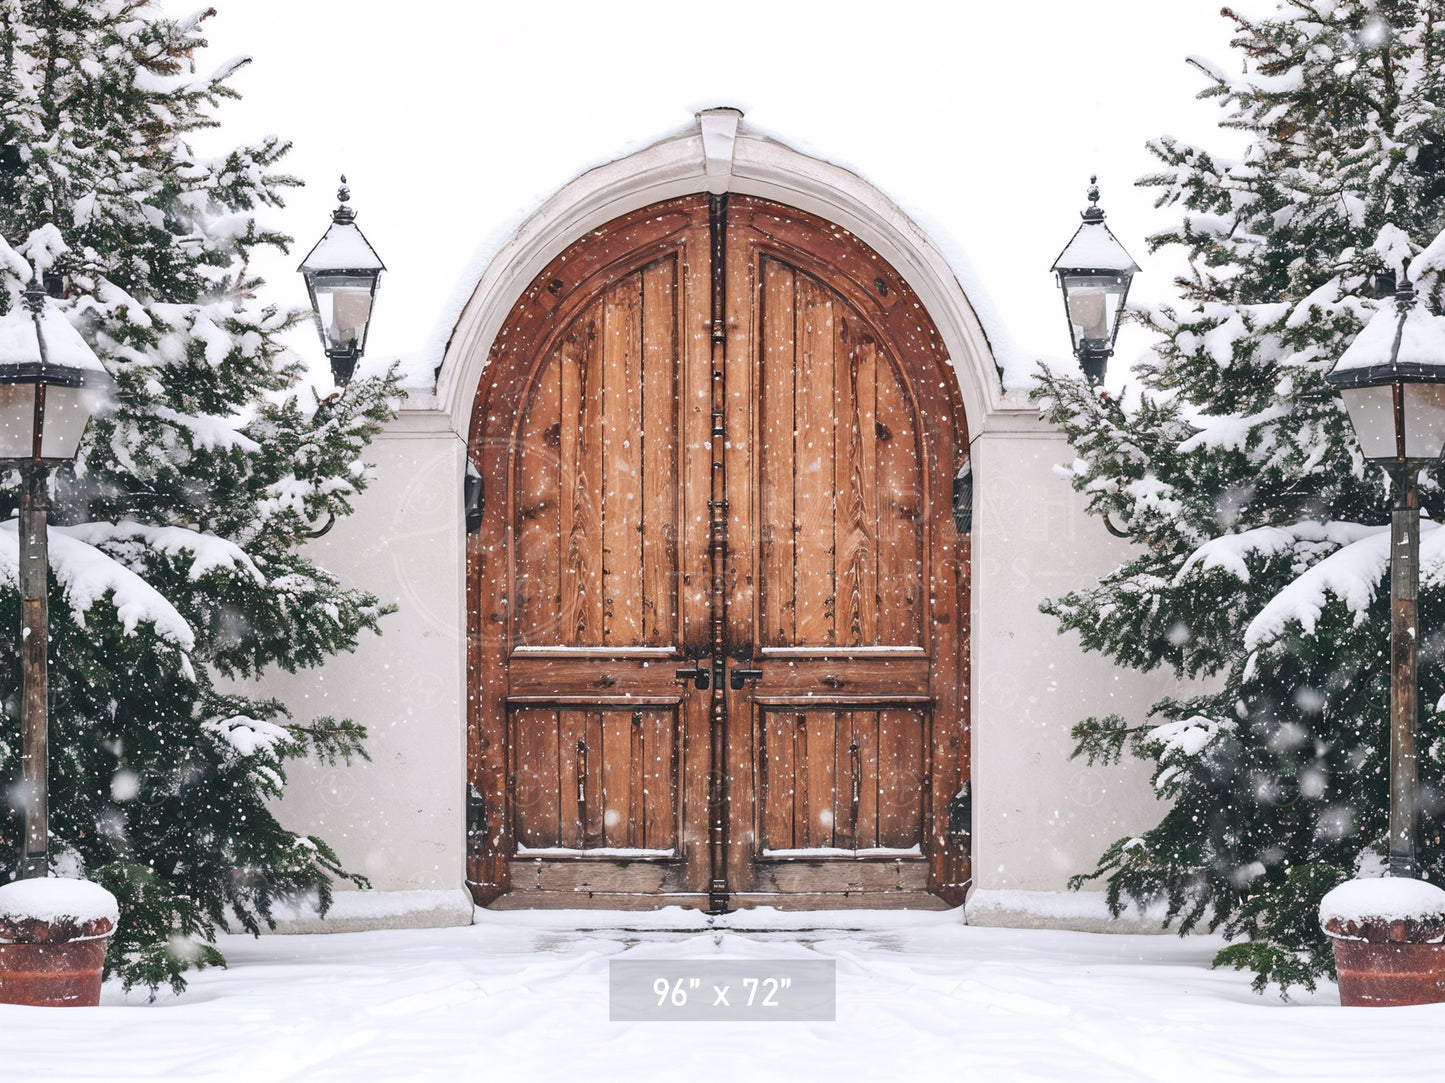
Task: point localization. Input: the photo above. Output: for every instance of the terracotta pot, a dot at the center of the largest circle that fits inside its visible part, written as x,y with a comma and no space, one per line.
53,965
1387,963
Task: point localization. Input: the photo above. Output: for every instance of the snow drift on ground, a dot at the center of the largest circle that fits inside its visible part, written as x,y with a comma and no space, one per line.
523,996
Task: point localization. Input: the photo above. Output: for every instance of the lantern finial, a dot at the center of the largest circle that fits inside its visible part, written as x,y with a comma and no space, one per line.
1094,213
1405,291
343,213
35,295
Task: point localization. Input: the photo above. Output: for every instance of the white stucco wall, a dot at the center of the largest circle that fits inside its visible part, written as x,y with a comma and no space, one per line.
1040,817
399,819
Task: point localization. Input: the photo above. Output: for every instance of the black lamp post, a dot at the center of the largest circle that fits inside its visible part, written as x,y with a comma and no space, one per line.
1392,381
50,385
341,273
1094,274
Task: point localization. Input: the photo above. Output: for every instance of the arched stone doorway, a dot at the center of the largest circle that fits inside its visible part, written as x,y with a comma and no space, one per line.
718,603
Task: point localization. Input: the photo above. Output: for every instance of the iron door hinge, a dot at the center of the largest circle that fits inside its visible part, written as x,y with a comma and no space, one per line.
960,815
474,499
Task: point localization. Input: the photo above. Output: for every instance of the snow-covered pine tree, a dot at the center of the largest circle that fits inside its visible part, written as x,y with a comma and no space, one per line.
214,465
1261,568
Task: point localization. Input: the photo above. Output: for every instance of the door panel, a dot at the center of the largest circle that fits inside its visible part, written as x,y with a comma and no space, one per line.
842,780
841,477
595,779
597,522
697,347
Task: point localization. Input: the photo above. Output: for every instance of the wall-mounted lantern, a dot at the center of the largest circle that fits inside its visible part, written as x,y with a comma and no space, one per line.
1094,274
341,273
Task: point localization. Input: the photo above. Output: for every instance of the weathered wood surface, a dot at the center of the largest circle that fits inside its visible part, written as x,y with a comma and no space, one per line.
851,780
845,581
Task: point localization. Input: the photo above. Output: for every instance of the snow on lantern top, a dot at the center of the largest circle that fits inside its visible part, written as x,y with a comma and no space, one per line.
51,383
1094,273
20,331
1402,341
1392,380
341,273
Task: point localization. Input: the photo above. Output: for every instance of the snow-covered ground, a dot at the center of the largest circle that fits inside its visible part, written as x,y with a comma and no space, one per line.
524,996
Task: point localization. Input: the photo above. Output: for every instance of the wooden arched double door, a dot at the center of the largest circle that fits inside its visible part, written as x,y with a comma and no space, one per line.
718,601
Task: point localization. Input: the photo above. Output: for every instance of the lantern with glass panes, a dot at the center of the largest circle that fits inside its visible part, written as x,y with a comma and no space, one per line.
341,273
51,383
1094,274
1392,381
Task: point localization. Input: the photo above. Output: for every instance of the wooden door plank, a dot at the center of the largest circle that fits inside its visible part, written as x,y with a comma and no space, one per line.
900,508
865,556
802,806
571,731
593,759
534,768
538,554
742,284
813,461
616,813
571,368
867,878
581,446
658,436
819,761
902,778
779,815
659,780
696,466
622,464
580,883
637,752
843,776
852,531
865,733
779,527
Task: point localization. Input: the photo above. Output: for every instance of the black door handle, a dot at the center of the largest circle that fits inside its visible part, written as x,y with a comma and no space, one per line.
700,675
740,675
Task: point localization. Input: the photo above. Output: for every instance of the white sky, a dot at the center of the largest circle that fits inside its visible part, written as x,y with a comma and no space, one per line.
454,120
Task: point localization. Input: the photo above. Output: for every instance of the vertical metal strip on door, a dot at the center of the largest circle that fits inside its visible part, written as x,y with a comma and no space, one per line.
717,790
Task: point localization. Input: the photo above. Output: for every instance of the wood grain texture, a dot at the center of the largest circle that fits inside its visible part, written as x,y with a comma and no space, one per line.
778,528
538,530
659,405
842,431
620,424
814,498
